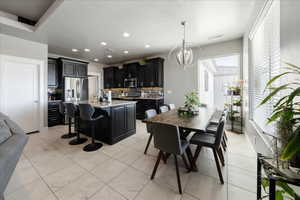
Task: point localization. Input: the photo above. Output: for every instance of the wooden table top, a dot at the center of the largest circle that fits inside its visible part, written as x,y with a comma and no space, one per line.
193,123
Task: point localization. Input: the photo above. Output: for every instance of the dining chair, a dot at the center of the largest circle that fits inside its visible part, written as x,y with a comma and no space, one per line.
149,113
163,109
213,142
171,106
72,111
87,114
62,112
167,140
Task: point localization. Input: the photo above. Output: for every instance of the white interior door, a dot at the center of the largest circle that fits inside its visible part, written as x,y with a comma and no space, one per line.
21,98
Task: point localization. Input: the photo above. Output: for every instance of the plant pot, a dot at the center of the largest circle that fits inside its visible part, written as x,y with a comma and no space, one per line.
295,161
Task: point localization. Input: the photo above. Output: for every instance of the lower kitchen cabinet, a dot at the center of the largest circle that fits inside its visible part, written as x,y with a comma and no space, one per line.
119,123
146,104
54,117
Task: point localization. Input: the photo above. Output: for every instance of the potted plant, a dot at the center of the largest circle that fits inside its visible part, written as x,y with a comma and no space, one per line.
286,113
191,104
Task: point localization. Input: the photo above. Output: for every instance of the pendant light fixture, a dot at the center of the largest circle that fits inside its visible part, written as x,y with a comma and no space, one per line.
183,53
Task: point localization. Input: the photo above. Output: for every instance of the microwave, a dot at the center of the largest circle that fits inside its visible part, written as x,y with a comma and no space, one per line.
130,82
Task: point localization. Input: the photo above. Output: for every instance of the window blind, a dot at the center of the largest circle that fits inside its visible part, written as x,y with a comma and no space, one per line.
265,60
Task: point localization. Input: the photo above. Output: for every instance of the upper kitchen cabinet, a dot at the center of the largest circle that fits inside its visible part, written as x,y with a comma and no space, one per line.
131,70
141,76
52,73
109,77
72,68
154,73
119,78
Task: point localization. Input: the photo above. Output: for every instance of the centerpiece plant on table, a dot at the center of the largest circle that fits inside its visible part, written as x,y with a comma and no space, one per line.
191,105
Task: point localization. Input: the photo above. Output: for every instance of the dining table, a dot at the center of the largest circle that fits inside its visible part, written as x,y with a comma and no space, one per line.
187,124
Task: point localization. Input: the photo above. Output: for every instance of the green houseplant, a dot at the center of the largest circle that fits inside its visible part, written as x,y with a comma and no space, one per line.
286,113
191,104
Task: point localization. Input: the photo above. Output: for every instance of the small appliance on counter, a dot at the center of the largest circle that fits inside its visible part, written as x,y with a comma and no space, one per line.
106,96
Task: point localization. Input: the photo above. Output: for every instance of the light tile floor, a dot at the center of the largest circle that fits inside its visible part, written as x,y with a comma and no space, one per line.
50,169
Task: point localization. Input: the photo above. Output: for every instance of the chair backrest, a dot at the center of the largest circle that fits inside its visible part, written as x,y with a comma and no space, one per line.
70,110
171,106
163,109
220,131
61,108
150,113
86,111
167,138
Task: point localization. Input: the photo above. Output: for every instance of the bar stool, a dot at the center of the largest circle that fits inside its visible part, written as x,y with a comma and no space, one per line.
71,112
62,112
87,113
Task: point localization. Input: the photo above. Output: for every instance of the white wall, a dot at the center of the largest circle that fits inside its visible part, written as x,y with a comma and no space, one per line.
13,46
178,82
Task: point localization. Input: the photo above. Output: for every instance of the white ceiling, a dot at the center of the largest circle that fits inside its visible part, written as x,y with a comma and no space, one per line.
84,24
30,9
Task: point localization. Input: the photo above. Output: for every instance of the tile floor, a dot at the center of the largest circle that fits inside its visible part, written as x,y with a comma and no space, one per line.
50,169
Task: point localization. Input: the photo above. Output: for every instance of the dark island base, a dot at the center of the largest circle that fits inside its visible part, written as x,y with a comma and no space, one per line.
119,123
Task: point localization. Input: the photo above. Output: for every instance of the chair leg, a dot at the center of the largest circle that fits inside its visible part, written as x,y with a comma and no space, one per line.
148,143
185,162
218,166
156,164
225,136
221,156
223,145
178,175
196,155
190,157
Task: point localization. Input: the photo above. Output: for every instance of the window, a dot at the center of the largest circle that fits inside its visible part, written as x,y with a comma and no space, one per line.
265,59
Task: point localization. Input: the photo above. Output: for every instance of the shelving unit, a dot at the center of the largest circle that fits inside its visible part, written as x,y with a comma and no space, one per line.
234,103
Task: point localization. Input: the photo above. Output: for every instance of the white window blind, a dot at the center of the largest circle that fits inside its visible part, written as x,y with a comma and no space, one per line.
265,59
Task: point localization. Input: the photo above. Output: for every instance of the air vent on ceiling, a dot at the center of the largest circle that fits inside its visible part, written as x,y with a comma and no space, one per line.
26,21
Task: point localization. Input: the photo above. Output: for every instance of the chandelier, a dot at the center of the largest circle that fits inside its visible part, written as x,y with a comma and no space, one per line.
183,53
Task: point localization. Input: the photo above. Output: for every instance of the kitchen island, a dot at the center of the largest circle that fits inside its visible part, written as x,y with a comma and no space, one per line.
119,121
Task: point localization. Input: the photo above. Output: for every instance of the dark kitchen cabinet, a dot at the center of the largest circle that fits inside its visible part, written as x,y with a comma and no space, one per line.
118,120
145,104
119,78
54,117
109,77
130,117
154,73
150,74
72,68
52,73
131,70
81,69
141,76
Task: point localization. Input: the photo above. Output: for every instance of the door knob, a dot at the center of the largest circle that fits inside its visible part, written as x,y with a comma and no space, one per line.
36,101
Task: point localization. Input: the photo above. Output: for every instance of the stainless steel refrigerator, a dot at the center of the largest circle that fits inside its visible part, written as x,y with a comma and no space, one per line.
76,89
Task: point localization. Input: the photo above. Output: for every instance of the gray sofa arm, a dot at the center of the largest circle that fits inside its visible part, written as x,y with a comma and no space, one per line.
10,152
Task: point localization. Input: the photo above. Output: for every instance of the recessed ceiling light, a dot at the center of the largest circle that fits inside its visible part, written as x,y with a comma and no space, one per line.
87,50
96,59
125,34
125,52
75,50
103,43
109,56
147,46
